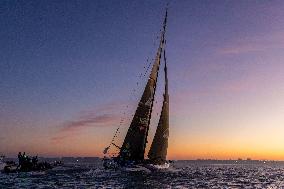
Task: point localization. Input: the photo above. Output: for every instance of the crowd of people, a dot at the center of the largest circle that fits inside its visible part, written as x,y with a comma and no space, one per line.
27,163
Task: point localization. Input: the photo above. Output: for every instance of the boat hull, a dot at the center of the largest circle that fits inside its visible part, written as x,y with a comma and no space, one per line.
166,165
10,169
110,163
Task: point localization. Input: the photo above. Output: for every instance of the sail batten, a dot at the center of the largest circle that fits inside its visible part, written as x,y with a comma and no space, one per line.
134,144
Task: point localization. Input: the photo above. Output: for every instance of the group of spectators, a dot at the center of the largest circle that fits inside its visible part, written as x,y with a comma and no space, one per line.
27,163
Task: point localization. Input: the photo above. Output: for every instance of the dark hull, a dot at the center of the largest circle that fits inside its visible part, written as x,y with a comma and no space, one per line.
42,166
115,163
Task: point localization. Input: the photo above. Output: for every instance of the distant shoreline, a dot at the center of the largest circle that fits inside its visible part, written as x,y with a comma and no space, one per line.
193,161
237,161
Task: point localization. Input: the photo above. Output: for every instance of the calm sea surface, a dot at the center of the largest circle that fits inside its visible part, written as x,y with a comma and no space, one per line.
182,175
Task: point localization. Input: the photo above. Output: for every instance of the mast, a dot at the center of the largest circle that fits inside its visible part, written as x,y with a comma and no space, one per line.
158,150
134,144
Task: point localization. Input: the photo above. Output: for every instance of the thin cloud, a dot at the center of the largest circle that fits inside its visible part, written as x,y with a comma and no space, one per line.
254,44
85,121
102,116
91,120
106,115
58,138
243,48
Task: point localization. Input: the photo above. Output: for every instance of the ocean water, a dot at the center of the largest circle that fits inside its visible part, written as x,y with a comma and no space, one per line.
182,174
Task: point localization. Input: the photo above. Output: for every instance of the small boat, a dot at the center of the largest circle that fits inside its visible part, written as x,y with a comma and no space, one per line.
27,164
131,153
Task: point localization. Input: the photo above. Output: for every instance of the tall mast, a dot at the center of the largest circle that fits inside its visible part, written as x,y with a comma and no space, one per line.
134,144
161,49
158,150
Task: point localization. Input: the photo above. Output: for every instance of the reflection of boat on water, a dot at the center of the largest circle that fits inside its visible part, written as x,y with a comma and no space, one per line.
131,153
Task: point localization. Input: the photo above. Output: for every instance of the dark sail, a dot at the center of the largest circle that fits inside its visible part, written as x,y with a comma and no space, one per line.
134,144
158,150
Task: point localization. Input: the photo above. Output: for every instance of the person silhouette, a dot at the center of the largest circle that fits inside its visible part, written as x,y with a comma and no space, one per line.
20,159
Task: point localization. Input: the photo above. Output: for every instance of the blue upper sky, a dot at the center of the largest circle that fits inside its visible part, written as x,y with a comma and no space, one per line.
61,59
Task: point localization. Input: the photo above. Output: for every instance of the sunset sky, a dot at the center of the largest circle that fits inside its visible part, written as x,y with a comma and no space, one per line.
69,72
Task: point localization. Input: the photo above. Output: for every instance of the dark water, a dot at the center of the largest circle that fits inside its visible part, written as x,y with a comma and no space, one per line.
182,175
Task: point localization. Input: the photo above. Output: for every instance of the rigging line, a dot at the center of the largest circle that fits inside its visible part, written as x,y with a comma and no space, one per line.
133,93
123,118
135,90
115,135
143,74
150,62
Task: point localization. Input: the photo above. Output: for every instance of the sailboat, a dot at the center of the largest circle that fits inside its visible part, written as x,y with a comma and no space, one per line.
132,151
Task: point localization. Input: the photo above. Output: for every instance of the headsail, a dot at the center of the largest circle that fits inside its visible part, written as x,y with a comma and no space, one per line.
158,150
134,144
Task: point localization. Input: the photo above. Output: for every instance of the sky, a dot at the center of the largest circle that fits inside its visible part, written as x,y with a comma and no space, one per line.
71,72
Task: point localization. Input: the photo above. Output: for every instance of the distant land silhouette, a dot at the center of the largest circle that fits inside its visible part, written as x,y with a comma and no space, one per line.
70,159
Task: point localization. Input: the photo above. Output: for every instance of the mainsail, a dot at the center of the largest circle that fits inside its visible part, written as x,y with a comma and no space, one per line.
134,144
158,150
